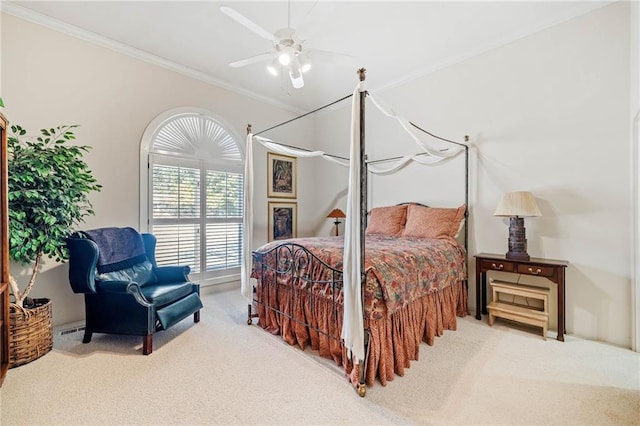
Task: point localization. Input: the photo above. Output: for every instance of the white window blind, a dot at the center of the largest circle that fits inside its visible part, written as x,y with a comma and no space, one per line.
176,215
196,192
224,193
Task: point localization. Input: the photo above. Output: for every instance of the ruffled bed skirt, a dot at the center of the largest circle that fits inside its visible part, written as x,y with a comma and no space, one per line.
394,340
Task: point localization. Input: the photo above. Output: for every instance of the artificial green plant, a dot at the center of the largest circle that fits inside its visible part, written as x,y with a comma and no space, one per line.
49,187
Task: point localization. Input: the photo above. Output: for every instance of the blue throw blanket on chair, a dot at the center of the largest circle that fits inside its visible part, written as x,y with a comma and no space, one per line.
118,248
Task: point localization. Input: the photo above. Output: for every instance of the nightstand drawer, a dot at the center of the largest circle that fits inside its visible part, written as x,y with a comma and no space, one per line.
531,269
497,265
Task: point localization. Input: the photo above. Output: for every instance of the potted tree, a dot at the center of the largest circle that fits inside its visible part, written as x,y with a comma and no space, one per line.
49,186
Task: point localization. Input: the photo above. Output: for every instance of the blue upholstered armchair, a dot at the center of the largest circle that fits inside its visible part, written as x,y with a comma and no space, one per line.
125,291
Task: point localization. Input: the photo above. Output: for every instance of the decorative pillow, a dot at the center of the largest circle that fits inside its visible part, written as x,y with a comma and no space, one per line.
387,220
142,273
431,222
459,228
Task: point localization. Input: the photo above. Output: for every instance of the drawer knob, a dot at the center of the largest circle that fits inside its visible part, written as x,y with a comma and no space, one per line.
536,272
500,266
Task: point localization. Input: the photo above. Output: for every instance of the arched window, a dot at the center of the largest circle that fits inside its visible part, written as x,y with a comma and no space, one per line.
192,200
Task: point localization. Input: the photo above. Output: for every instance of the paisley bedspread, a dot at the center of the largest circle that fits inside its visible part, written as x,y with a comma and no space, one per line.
398,270
414,290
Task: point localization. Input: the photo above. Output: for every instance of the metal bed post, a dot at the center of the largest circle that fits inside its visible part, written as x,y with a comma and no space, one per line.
363,223
466,191
466,210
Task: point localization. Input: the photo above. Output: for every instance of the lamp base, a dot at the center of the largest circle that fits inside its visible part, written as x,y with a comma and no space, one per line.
517,256
517,240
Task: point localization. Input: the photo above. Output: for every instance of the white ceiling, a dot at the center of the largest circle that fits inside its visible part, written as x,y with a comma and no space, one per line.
395,41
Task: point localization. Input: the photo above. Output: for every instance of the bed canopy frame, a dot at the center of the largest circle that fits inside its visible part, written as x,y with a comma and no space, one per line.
357,209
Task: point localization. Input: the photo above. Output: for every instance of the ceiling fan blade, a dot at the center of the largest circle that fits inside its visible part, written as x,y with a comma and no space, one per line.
251,60
329,57
243,20
316,18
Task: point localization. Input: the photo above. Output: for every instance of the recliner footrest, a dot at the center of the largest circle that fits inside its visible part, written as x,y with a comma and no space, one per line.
176,312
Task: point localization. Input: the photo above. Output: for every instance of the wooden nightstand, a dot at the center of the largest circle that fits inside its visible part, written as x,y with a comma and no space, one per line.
553,270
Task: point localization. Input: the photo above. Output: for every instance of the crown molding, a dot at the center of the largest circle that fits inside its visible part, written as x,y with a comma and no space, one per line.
79,33
71,30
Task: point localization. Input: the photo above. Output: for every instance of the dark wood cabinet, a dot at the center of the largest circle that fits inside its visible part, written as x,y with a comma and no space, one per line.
4,253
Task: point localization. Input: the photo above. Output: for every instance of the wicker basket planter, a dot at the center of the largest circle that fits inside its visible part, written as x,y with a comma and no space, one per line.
30,332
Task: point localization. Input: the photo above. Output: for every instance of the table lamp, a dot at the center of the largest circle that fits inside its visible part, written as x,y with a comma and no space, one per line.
517,205
336,214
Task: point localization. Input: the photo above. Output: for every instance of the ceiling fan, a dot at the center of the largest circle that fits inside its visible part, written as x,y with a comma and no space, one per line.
287,54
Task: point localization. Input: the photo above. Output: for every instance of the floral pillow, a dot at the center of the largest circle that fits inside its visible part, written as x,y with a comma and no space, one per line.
387,220
432,222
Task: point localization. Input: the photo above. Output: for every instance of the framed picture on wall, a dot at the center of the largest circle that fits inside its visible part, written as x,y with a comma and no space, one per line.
283,220
281,176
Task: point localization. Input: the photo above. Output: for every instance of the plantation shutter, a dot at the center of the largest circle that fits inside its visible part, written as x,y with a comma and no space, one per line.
176,215
196,192
224,220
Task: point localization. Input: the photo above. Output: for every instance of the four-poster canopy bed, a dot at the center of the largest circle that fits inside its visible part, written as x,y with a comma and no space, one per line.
370,312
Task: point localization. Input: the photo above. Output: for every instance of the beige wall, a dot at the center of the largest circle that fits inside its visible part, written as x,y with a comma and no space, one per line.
49,78
548,113
635,130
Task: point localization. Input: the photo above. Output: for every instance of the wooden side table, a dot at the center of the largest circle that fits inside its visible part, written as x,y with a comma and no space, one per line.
553,270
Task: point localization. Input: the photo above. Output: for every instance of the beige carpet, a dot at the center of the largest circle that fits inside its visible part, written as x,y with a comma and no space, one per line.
222,371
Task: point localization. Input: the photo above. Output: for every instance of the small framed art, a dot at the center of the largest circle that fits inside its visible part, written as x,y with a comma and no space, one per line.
281,176
283,220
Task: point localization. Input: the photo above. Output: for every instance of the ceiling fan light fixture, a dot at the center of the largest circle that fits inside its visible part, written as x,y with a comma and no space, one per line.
286,55
284,59
296,77
273,68
302,61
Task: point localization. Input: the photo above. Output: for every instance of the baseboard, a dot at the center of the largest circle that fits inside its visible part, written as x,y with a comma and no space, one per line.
215,288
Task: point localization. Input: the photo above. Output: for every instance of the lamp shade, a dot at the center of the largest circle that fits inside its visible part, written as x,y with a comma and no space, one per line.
517,204
336,214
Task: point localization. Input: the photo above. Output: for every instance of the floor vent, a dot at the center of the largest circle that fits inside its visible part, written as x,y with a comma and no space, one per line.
70,330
